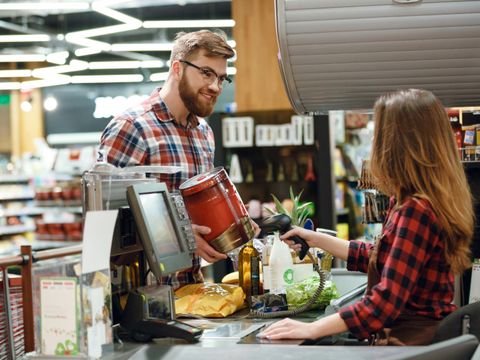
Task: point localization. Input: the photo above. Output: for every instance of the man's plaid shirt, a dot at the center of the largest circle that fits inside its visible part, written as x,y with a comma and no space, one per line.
148,135
415,277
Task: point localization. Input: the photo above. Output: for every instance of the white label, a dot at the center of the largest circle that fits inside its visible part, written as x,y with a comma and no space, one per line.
475,283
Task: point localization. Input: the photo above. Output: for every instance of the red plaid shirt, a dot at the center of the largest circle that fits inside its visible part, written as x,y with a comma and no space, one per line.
148,135
415,277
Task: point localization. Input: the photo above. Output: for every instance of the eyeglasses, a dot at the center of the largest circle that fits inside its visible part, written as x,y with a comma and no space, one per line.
209,76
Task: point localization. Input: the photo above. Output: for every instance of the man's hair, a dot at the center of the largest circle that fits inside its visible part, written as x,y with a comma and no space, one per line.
214,43
414,154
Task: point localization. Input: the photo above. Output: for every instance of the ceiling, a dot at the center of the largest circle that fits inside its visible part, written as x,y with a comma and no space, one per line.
68,41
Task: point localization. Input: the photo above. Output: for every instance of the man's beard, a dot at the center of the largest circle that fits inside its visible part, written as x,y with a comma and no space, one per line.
191,99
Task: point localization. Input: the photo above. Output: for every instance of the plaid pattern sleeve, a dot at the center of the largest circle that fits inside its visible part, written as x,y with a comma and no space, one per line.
358,256
415,277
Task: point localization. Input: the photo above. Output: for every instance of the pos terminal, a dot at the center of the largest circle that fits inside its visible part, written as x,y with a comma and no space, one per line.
168,242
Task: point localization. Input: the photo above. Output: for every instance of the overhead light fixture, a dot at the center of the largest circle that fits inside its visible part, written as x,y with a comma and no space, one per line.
94,79
159,76
53,81
143,47
231,71
47,72
50,103
15,73
58,58
25,38
26,105
87,51
100,7
160,24
23,58
76,39
232,43
104,65
57,5
105,30
153,64
9,85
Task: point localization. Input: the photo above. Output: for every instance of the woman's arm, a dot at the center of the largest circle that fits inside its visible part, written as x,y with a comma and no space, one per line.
293,329
335,246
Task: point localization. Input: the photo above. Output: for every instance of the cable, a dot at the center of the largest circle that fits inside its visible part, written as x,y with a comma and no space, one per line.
299,310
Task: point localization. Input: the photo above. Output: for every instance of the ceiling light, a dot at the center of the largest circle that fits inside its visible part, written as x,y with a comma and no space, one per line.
46,72
232,43
9,85
22,58
25,38
153,64
26,106
188,24
53,81
45,6
102,65
50,103
159,76
105,30
231,71
15,73
80,40
87,51
143,47
58,58
93,79
117,15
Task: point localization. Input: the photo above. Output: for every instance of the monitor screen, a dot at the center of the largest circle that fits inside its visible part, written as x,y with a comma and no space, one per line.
166,234
160,222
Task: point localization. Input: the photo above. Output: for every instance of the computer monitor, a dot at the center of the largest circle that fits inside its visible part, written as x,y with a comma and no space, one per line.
164,228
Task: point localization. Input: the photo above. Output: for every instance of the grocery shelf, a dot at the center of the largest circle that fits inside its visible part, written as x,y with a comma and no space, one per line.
14,179
15,229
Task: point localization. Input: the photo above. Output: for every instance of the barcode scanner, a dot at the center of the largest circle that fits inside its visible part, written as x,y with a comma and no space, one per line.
282,223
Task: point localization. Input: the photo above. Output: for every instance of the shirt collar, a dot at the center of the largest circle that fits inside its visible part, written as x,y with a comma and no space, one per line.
164,115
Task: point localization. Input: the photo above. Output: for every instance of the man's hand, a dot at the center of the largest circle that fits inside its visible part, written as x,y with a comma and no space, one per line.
204,250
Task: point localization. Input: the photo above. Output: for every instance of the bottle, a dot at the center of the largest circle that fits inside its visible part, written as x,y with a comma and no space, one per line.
281,266
249,271
267,249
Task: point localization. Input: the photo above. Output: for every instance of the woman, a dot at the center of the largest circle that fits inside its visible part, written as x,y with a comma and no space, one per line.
425,238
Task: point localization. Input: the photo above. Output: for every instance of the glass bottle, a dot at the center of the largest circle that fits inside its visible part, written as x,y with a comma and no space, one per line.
249,271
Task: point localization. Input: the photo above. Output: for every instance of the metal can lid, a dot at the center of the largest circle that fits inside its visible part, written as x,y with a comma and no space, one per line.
203,181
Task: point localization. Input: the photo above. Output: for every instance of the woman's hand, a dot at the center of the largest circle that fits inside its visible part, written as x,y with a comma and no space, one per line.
307,235
289,329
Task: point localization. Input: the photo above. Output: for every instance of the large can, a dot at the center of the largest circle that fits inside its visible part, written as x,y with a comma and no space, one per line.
212,200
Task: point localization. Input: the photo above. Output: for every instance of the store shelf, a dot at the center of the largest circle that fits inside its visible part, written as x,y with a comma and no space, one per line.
14,179
471,164
75,205
16,229
18,197
26,211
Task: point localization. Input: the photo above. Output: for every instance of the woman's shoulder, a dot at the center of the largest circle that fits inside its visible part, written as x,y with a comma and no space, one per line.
420,209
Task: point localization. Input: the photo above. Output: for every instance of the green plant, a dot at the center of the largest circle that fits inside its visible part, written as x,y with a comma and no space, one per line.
300,211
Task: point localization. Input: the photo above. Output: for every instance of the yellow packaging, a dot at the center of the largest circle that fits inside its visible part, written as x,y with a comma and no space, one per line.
209,300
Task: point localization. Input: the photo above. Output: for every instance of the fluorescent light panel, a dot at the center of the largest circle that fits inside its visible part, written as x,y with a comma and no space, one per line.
159,76
143,47
188,24
22,58
93,79
58,58
87,51
9,85
15,73
54,81
117,15
103,65
45,6
25,38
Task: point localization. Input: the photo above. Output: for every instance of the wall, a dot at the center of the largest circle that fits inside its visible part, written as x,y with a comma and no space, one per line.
259,85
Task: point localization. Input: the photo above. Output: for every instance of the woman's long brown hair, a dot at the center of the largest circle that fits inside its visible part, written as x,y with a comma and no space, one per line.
414,154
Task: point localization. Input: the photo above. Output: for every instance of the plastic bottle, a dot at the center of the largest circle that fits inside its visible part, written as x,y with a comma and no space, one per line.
281,266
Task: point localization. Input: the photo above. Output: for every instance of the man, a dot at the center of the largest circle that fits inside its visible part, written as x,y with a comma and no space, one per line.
168,128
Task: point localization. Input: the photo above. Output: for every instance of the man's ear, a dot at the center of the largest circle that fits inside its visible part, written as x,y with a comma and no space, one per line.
176,69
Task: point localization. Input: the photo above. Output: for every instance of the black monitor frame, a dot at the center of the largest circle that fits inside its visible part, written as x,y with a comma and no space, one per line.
160,264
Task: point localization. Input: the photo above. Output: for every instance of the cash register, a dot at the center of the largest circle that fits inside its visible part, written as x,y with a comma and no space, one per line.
152,230
168,242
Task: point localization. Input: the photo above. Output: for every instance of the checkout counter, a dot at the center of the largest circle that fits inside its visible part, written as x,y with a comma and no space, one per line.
235,336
